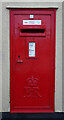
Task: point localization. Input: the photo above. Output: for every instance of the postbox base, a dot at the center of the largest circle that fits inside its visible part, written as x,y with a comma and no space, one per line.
33,116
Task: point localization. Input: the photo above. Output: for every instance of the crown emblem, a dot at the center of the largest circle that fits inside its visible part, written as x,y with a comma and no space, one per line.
32,82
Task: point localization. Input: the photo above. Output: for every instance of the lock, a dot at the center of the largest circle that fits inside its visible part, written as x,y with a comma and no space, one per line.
19,61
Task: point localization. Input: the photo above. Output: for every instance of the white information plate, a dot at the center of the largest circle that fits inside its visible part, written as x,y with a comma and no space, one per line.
31,22
31,49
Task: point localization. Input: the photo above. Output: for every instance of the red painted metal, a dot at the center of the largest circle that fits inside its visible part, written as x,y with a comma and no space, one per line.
32,79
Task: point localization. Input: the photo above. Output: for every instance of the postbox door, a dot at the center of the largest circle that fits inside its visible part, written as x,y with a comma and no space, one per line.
32,60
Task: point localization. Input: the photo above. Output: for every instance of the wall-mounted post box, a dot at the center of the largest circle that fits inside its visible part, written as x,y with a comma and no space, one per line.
32,60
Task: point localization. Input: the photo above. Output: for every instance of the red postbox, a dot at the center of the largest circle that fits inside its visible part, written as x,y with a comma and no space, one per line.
32,60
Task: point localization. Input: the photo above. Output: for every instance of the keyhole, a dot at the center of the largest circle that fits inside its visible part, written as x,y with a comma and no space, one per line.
18,56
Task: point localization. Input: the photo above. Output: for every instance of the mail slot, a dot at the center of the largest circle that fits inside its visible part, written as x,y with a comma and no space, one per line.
32,30
32,60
